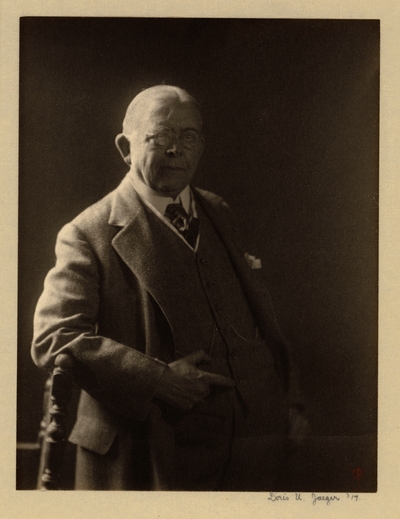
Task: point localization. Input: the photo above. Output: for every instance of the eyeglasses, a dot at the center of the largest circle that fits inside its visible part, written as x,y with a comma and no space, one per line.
188,138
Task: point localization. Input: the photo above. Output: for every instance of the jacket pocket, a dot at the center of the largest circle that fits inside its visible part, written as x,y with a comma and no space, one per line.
94,435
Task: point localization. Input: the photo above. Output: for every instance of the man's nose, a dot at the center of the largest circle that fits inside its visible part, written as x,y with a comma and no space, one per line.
174,149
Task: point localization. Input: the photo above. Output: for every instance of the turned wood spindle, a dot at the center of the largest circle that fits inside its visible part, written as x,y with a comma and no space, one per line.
55,437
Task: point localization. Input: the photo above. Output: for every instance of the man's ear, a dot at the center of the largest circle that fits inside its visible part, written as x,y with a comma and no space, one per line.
124,147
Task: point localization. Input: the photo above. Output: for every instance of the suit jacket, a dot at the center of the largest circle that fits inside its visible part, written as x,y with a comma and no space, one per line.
105,303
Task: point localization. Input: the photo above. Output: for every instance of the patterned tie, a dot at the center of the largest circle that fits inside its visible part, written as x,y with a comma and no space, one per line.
187,225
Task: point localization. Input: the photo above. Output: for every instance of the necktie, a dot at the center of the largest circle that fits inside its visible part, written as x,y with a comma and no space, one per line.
187,225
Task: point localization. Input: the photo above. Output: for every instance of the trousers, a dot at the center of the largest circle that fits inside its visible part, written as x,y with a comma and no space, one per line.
231,443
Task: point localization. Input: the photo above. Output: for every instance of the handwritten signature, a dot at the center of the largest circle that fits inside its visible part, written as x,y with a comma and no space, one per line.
315,498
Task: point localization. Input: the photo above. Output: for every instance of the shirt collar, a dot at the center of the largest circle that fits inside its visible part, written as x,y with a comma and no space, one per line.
161,202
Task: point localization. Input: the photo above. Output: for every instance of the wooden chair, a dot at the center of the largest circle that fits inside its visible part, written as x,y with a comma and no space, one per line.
53,433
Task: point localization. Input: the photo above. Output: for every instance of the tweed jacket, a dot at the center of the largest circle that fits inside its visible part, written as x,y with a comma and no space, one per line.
105,303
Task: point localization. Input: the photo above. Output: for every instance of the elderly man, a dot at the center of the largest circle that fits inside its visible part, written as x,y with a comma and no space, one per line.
186,379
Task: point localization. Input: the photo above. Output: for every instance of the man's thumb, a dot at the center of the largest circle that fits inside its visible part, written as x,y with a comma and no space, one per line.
197,357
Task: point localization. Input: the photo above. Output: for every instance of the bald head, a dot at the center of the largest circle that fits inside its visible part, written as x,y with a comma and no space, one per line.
154,100
162,141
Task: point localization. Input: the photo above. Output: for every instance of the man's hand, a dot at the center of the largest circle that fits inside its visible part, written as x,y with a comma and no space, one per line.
183,385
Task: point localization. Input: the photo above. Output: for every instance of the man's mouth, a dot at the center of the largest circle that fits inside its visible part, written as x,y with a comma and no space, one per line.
173,168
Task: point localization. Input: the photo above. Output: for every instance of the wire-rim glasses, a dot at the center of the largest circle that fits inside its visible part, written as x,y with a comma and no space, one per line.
189,138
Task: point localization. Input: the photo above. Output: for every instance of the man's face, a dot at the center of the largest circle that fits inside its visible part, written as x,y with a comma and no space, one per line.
162,154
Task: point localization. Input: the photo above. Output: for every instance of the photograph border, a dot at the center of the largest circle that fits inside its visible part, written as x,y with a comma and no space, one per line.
232,505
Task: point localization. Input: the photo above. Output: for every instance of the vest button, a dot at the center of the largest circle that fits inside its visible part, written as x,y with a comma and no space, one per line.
203,261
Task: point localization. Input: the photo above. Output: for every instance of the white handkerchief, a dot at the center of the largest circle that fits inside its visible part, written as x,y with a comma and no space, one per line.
254,263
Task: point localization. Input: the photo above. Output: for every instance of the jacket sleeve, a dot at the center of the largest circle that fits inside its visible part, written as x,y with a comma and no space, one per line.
120,377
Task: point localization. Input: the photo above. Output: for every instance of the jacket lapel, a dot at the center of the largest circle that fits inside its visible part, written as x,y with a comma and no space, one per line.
136,242
132,241
149,248
255,290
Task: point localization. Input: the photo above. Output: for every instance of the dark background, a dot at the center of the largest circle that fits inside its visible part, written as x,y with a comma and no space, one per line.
291,111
